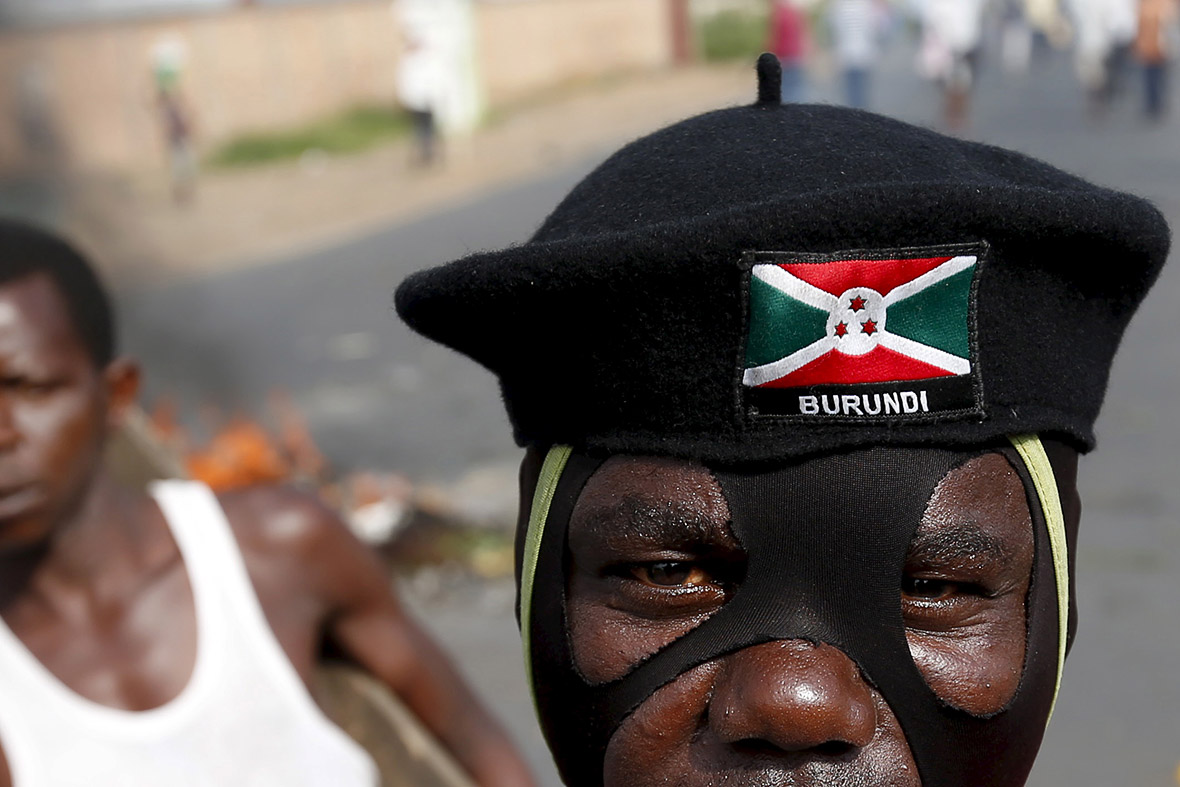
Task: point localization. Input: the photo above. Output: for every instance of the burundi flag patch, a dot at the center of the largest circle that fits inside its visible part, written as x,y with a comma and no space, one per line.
864,335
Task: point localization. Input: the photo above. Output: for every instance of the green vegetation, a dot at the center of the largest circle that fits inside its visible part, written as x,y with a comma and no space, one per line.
732,35
349,132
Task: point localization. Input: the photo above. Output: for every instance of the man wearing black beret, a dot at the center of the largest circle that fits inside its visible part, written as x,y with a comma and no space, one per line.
802,390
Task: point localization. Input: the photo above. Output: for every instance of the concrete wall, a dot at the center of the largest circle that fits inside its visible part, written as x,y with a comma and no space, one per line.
271,67
245,69
529,45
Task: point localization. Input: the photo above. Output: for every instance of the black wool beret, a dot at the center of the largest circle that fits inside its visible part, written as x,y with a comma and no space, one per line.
777,280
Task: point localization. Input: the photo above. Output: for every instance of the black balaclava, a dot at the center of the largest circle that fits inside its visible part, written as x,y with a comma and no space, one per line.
835,580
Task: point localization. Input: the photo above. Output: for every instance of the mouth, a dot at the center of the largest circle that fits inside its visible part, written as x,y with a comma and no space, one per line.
18,499
795,770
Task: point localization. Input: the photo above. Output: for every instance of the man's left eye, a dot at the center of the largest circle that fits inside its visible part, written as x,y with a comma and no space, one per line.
932,589
28,387
670,574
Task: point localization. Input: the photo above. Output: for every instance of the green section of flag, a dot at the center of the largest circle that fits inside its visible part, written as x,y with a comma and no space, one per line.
937,315
779,324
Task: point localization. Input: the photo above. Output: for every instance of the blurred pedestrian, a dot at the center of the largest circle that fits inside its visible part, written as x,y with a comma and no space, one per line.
419,86
168,637
789,42
951,34
1050,29
1016,38
1155,45
857,27
175,117
178,135
1105,30
1123,24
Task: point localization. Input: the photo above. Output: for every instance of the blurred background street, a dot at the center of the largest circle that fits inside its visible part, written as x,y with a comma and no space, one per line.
257,289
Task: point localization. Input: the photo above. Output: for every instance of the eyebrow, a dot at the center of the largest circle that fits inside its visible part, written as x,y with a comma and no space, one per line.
956,544
631,519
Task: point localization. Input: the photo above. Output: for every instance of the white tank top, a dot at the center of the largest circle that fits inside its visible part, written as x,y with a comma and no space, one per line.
245,719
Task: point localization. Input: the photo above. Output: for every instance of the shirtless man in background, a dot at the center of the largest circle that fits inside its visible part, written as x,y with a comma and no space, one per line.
169,638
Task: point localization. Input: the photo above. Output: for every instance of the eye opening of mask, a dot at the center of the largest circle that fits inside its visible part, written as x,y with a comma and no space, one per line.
967,582
650,555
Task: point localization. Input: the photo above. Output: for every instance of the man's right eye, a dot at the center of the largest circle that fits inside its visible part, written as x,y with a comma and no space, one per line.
671,574
28,387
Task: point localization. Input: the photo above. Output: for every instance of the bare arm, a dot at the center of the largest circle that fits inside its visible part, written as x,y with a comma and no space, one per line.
366,621
384,640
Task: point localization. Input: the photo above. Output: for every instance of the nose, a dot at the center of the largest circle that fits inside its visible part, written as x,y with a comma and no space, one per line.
792,696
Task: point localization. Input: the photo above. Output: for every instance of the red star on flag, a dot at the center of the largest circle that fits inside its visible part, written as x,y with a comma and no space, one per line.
842,329
857,303
869,327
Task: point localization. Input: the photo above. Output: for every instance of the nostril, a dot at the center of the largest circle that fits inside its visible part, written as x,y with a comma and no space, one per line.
834,748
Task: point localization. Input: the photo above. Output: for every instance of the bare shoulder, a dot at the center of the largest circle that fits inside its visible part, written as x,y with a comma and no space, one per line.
297,537
276,518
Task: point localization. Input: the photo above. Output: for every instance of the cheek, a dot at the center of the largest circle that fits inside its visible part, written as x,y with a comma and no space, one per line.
654,744
607,642
63,435
977,668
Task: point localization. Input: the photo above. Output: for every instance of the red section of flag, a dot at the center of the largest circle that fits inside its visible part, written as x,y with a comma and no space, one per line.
879,365
880,275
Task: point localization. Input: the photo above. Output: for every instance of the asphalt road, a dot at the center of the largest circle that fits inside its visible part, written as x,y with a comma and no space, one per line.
320,325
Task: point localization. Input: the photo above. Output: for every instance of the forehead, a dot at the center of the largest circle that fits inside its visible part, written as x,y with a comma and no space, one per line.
657,481
34,321
983,490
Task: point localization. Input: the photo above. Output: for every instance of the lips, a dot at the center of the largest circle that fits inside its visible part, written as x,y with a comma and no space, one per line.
18,499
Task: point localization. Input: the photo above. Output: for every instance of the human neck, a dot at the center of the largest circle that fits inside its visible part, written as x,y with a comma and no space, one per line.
91,555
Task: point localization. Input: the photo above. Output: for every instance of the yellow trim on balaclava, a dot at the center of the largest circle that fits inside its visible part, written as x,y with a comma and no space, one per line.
1037,461
539,514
